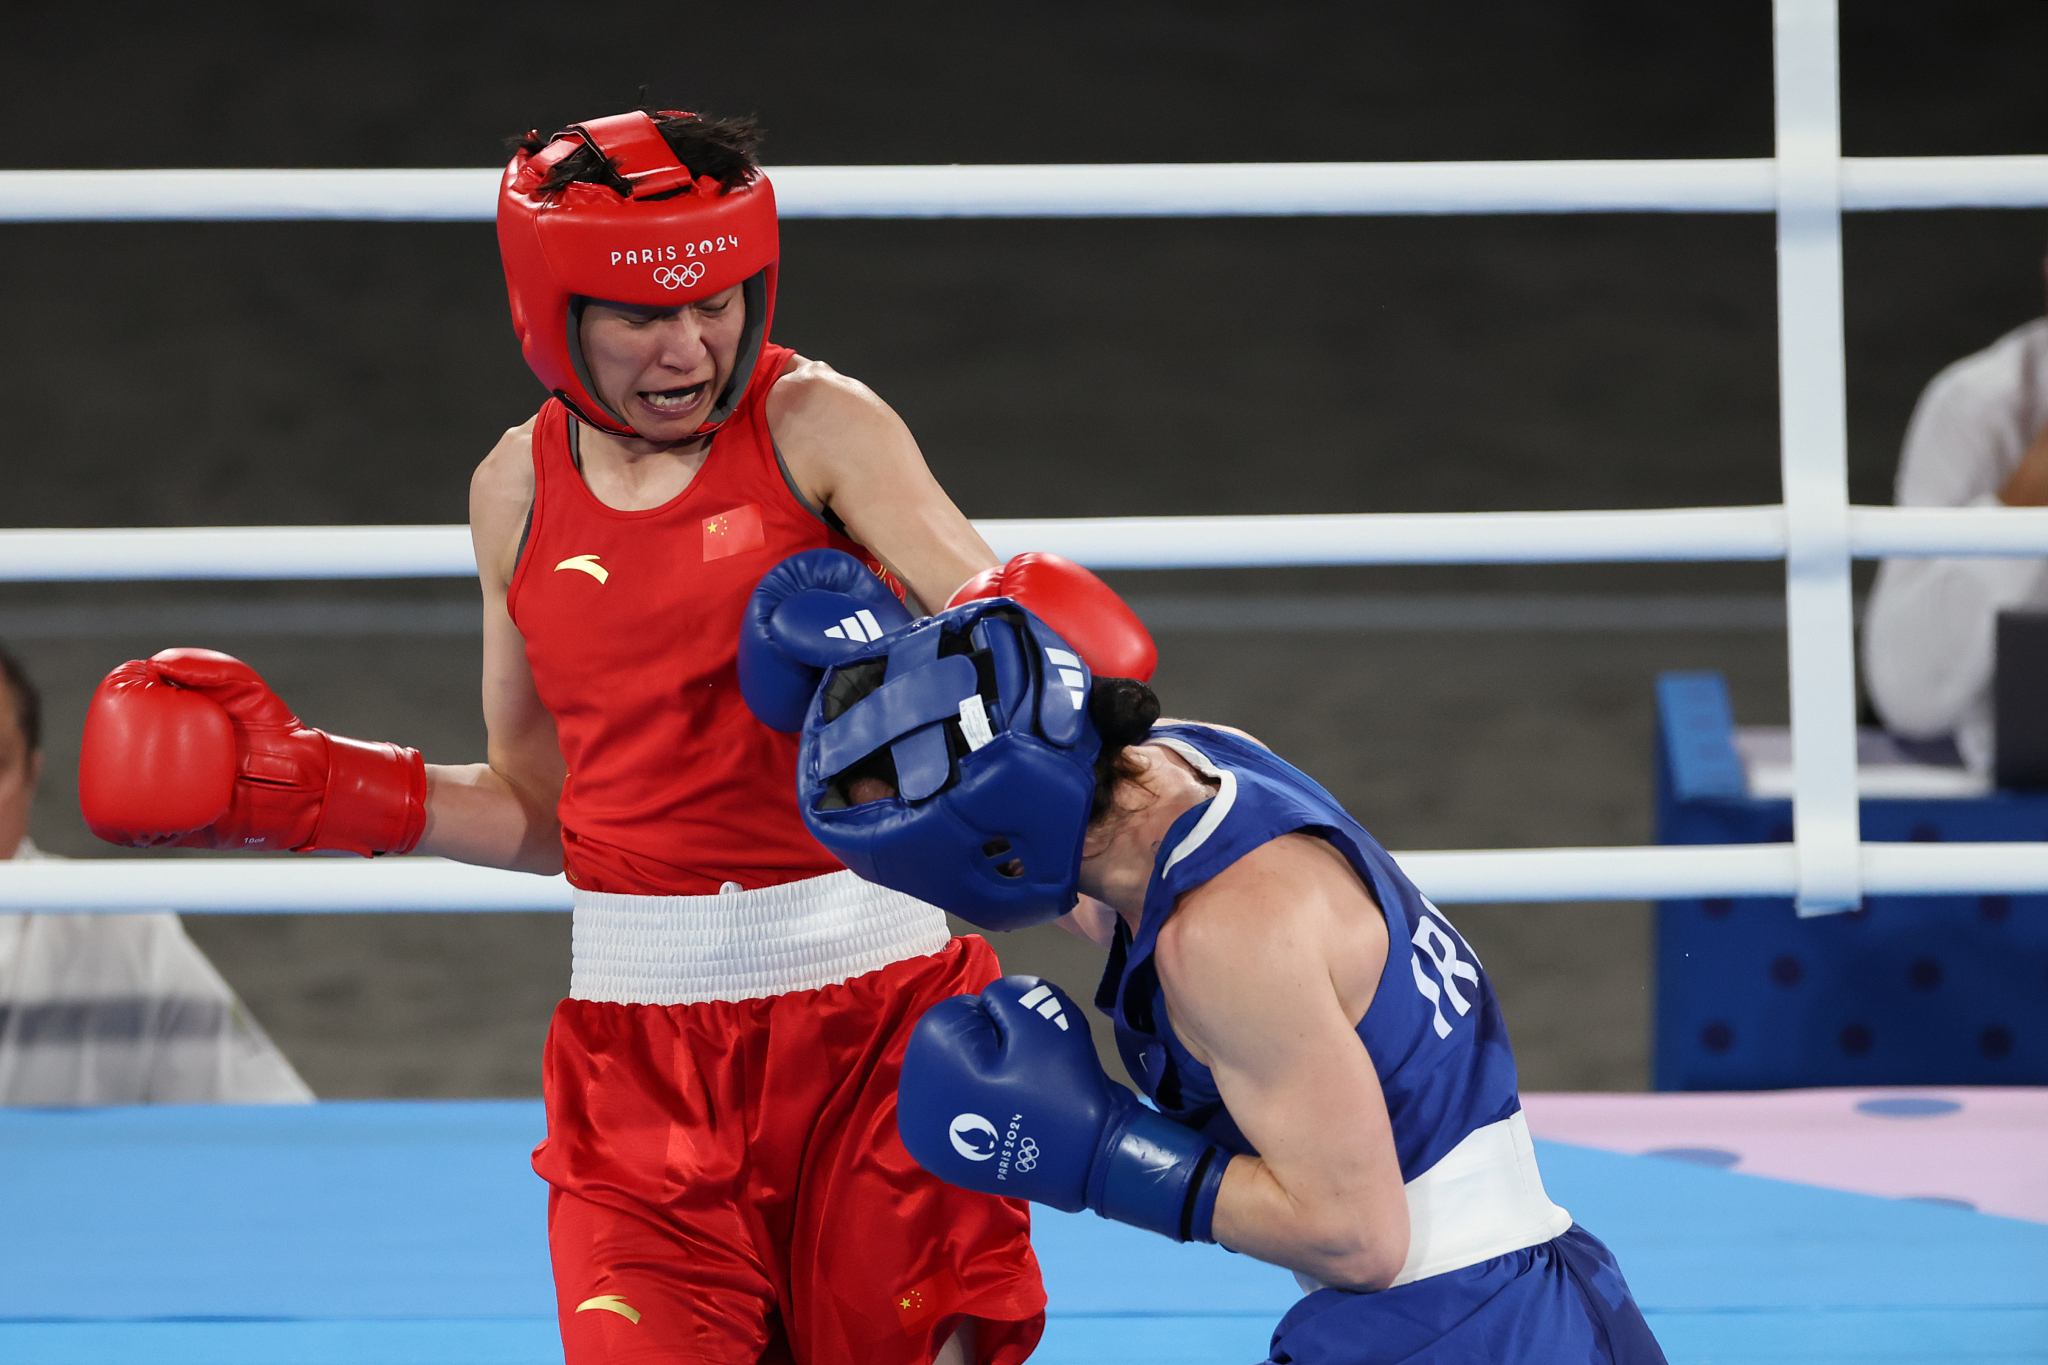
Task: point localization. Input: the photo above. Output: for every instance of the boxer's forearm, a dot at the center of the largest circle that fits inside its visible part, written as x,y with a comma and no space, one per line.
476,814
1335,1240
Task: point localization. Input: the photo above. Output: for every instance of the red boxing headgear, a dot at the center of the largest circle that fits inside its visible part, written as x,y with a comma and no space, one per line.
675,240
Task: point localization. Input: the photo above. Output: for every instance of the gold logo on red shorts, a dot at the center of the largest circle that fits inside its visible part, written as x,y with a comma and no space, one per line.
611,1303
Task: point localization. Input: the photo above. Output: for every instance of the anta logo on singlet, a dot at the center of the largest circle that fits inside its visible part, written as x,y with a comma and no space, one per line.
1041,998
974,1137
585,564
1436,940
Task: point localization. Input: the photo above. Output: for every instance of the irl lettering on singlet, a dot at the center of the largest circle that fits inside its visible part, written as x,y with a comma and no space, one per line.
1436,940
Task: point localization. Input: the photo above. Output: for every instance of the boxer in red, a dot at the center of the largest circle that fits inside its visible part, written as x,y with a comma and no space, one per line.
727,1184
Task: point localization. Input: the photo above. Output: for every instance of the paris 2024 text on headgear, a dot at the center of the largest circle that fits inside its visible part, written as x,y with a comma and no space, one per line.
675,239
982,713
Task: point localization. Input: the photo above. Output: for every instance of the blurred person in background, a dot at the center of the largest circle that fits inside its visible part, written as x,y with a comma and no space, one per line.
1978,438
111,1009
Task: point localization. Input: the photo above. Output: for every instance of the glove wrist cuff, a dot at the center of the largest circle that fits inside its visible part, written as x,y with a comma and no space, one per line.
1159,1175
376,798
1199,1215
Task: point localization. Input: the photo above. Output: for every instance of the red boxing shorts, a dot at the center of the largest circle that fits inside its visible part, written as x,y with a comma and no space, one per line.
728,1185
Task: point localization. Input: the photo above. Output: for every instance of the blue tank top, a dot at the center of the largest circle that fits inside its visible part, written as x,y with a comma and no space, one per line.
1434,1031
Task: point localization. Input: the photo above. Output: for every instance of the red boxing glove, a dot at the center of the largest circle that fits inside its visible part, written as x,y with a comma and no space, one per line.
189,748
1077,604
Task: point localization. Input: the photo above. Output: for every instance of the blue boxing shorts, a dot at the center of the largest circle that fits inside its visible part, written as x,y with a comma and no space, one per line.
1561,1300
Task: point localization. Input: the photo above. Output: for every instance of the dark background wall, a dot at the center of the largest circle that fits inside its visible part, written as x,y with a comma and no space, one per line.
208,374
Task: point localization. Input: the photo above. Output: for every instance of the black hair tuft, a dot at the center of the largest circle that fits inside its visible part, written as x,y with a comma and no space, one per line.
1124,711
725,149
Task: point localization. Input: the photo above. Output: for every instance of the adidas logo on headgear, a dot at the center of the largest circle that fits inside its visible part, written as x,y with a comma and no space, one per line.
1075,680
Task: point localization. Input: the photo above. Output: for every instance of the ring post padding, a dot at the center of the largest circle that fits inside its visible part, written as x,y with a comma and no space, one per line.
1813,423
1698,734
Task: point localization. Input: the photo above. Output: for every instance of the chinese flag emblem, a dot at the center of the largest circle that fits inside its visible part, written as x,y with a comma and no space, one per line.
927,1299
733,533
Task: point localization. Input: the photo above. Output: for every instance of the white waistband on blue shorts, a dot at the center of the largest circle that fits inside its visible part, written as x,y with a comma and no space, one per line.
1482,1199
744,945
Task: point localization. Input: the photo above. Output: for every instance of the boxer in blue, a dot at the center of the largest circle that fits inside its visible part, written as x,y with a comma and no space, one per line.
1335,1091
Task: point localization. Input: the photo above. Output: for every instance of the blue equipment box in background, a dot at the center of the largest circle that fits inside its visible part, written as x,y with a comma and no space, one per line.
1907,990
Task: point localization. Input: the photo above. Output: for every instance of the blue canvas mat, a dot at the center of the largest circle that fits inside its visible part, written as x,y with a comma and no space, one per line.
393,1233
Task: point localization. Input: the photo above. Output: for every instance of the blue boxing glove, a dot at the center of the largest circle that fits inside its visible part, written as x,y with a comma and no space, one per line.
1002,1093
808,613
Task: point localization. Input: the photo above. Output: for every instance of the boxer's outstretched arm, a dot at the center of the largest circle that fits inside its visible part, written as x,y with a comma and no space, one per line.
850,452
501,813
1267,969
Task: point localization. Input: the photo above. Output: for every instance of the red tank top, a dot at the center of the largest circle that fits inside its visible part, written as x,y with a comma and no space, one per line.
631,621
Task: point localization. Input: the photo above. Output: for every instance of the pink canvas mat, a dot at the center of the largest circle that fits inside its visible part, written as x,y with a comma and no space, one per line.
1981,1148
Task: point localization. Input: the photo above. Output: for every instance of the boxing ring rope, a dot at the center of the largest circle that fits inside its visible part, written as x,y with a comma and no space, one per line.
1807,186
305,885
1196,190
1221,542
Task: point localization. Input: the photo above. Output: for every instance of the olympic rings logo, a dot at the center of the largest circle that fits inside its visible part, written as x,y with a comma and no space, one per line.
677,276
1027,1155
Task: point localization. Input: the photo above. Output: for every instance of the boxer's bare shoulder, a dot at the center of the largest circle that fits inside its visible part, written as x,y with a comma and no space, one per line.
849,454
1288,914
500,495
815,411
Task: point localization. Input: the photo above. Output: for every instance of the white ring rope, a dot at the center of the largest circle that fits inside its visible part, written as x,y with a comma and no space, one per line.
1450,877
1826,869
1236,189
1685,533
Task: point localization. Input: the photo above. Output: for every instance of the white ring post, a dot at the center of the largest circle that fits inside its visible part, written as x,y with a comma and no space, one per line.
1814,458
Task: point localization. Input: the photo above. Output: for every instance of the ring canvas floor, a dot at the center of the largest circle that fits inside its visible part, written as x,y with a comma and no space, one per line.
395,1233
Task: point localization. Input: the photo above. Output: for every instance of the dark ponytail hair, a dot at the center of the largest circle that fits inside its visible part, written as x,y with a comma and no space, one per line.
1124,711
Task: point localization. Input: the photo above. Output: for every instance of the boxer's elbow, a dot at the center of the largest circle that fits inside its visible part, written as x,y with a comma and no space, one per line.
1354,1248
1364,1274
1363,1269
542,859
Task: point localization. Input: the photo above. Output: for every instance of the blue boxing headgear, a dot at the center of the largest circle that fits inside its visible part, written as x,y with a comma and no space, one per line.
978,717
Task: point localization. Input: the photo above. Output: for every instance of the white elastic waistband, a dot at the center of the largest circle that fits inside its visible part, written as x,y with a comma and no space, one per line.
744,945
1482,1199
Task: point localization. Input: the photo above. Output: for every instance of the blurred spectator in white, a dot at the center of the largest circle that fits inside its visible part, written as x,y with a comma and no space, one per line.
1979,438
111,1009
